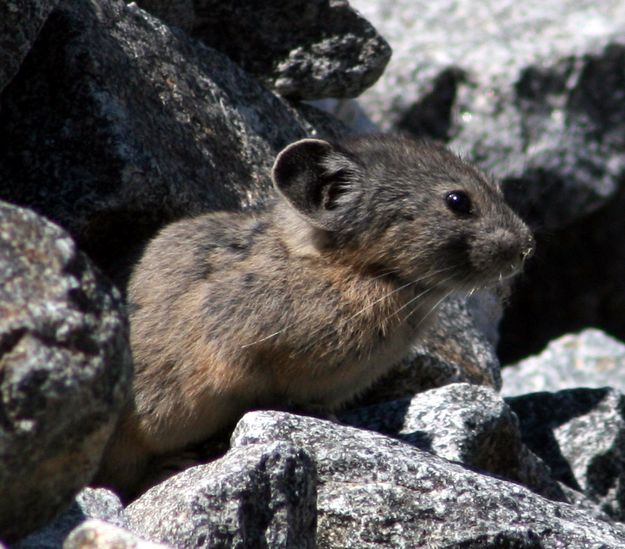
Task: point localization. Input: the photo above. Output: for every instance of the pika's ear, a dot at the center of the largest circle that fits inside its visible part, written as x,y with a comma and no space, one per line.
316,179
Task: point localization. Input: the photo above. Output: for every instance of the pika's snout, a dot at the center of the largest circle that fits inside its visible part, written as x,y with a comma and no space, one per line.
502,252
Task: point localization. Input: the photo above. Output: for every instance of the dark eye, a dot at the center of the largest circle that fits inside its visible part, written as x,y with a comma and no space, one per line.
458,202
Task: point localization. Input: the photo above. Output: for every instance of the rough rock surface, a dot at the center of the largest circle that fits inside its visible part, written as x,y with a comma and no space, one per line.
97,534
20,21
256,496
580,433
588,359
464,423
304,49
65,367
374,491
116,125
96,503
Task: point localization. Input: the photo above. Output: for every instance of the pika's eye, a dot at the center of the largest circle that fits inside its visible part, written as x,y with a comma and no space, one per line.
458,202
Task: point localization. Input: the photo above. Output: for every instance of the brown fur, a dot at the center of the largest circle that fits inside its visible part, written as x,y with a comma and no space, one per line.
308,302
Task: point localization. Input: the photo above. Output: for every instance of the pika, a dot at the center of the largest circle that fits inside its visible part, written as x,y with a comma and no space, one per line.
309,301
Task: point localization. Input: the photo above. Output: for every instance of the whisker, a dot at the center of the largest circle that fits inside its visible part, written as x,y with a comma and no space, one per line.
386,296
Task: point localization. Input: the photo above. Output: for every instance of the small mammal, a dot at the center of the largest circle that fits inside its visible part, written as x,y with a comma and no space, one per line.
311,300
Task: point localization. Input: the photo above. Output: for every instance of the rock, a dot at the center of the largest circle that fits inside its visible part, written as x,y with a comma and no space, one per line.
95,503
117,125
588,359
20,21
453,350
257,496
534,95
374,491
302,49
65,367
97,534
580,433
464,423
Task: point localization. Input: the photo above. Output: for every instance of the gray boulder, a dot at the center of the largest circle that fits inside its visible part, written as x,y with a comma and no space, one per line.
374,491
302,49
20,21
588,359
465,423
65,368
116,125
97,534
257,496
580,433
91,503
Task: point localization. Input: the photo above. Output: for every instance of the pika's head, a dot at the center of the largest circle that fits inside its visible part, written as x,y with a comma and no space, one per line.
410,207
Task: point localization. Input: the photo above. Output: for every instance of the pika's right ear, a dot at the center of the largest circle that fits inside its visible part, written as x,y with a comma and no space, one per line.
313,176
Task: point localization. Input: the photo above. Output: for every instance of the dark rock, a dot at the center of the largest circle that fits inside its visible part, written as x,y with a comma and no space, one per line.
89,503
65,368
464,423
117,125
374,491
256,496
453,350
20,21
303,49
580,433
97,534
589,359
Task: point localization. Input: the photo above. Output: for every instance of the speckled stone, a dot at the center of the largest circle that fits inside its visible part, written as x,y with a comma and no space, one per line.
20,22
588,359
65,369
258,496
302,49
375,491
464,423
90,503
580,433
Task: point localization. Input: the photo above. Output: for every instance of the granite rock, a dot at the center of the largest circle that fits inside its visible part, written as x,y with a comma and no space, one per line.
116,125
375,491
303,49
257,496
580,433
20,22
588,359
91,503
465,423
65,367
